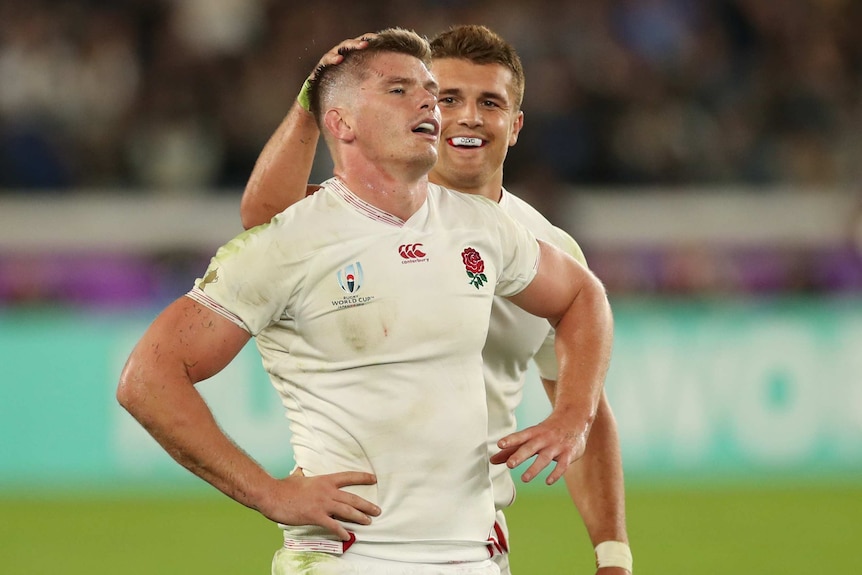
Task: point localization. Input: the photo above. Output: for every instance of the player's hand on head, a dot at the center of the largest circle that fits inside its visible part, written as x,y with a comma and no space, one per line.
551,440
335,54
320,500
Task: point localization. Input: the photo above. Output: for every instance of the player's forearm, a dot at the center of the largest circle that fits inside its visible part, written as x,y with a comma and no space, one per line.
167,405
595,482
583,342
282,170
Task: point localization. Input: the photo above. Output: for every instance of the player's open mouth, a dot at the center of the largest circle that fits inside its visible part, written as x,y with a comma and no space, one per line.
429,128
465,142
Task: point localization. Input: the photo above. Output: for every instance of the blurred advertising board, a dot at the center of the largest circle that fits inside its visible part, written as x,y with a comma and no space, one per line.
701,389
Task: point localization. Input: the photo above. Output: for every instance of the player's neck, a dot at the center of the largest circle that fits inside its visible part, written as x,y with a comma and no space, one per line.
491,189
400,196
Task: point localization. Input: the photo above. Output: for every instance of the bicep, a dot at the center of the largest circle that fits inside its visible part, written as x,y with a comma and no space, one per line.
190,337
558,281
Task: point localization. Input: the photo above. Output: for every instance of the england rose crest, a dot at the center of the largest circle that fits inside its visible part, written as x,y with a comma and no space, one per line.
475,266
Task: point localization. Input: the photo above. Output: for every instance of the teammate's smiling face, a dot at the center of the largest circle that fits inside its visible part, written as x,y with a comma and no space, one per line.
480,122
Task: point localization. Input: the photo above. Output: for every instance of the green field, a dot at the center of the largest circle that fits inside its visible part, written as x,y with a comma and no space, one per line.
778,530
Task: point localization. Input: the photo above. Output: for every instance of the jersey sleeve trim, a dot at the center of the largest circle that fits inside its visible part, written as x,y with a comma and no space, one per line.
202,298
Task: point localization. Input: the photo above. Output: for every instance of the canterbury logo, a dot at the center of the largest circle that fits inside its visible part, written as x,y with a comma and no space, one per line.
411,251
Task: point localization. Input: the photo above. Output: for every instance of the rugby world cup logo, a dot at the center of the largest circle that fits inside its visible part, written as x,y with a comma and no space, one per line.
350,278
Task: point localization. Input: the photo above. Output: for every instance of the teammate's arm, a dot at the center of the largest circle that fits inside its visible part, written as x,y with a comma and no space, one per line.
280,175
575,302
186,344
595,481
282,170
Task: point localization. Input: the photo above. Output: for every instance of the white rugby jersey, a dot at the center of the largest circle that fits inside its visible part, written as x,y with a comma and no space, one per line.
371,329
514,338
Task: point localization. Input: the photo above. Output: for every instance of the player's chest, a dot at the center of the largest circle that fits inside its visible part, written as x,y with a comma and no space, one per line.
412,277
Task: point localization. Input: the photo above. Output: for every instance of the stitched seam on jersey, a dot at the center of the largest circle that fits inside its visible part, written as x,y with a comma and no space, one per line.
205,300
364,207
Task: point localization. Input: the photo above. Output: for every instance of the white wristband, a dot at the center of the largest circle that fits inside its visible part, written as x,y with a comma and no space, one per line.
613,554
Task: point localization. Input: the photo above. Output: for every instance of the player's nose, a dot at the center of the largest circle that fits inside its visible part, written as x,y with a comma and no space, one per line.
469,115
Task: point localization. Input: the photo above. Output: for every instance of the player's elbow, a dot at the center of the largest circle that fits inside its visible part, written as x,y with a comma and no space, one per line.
131,390
126,396
252,211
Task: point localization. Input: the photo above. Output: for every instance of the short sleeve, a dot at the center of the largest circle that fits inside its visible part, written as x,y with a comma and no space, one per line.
520,251
240,282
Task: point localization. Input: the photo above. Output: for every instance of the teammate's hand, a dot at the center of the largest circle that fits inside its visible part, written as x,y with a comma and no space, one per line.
319,500
551,440
335,54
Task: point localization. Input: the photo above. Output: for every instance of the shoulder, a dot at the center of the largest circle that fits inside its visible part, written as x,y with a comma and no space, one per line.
541,226
311,212
451,200
527,215
568,244
290,236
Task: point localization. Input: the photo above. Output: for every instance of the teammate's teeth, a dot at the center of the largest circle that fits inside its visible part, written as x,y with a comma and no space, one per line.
475,142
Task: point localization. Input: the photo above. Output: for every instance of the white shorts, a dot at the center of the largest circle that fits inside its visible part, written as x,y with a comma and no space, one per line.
292,562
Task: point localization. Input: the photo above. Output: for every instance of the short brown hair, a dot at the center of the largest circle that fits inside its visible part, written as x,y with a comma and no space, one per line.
325,79
480,45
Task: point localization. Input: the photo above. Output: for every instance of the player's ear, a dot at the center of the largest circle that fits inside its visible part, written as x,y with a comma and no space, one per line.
337,122
516,128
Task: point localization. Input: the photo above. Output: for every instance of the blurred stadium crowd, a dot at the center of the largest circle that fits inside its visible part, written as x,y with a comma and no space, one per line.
179,97
182,94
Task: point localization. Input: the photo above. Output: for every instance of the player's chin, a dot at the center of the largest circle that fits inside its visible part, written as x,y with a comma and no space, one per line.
469,165
425,161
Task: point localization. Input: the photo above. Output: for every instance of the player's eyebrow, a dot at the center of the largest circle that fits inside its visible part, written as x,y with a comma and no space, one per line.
485,95
398,80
